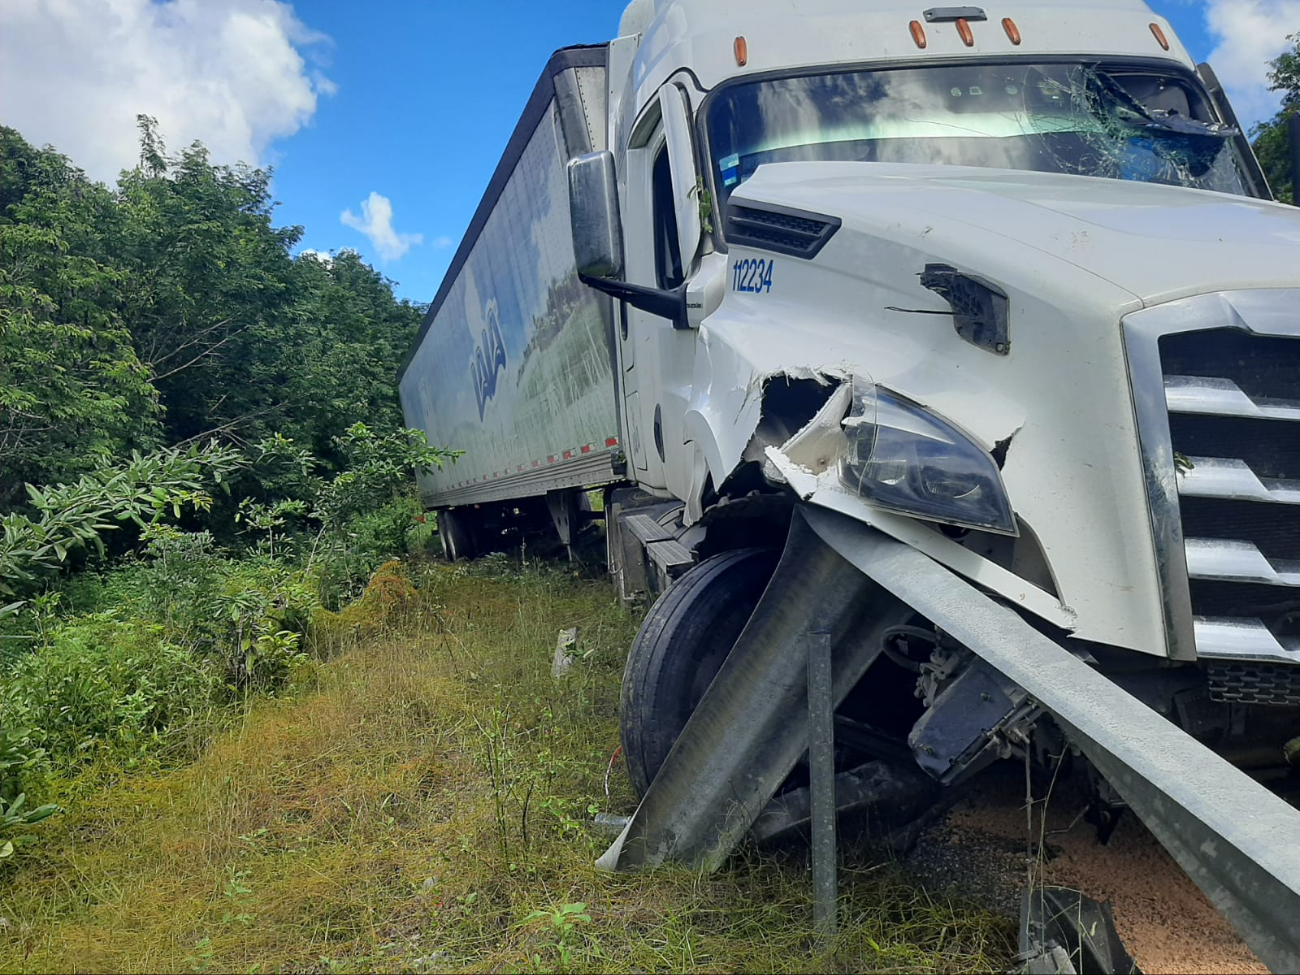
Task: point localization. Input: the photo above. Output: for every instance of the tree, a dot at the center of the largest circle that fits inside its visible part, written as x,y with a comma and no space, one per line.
1270,138
349,337
73,392
210,288
171,309
241,338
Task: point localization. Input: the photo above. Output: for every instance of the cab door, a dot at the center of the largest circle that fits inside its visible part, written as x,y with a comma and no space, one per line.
661,241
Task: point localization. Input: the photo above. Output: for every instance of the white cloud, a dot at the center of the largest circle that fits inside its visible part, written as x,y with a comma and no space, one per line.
1250,34
322,256
443,241
376,222
75,73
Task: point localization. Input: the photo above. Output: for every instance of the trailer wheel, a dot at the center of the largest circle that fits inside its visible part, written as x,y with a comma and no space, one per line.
679,649
458,533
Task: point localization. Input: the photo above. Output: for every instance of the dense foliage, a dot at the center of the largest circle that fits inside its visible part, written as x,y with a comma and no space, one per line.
1270,138
169,309
201,457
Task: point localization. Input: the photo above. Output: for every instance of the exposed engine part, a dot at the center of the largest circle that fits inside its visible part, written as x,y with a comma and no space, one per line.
978,717
944,662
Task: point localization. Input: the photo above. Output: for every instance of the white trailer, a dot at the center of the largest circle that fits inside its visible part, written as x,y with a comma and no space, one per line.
959,345
514,363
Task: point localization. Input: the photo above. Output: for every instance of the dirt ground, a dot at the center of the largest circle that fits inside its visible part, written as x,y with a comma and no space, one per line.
1167,924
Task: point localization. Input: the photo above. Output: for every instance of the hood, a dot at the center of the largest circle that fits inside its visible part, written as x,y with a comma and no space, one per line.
1154,241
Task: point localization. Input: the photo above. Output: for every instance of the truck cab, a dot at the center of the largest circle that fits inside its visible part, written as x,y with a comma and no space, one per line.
921,254
993,306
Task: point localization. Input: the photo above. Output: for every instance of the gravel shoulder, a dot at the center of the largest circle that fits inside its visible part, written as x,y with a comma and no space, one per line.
979,849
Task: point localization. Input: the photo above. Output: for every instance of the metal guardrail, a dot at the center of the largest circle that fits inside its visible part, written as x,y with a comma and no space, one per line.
1233,837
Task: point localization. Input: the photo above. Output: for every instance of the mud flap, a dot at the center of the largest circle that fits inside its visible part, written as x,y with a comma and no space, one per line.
1232,836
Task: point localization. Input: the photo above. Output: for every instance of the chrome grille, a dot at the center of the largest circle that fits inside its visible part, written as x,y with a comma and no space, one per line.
1233,398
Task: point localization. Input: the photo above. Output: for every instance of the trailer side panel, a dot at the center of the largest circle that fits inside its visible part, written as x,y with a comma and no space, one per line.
514,363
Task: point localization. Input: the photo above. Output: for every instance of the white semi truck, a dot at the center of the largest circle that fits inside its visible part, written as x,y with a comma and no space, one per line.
963,342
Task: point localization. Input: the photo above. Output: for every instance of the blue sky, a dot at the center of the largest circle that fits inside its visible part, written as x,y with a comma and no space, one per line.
421,116
385,117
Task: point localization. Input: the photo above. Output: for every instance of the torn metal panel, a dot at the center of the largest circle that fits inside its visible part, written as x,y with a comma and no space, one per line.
1234,838
817,446
727,403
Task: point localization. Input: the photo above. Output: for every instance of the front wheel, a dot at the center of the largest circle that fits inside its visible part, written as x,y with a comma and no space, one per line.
680,648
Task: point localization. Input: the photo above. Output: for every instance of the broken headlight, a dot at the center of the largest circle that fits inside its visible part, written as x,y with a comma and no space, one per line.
902,457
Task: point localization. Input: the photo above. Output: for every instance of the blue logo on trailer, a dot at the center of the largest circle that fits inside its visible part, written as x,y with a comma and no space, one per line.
488,360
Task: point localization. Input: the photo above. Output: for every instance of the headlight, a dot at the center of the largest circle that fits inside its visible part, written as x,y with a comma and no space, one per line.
902,457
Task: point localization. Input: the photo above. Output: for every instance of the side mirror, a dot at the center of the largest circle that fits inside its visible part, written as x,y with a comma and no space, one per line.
598,239
593,215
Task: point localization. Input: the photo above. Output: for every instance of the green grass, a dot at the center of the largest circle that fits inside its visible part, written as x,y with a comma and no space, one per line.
424,804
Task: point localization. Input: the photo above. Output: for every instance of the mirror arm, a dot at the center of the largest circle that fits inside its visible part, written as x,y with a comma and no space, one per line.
665,304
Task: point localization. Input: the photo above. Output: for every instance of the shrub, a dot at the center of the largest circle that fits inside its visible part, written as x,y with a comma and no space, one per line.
68,517
346,558
17,754
262,610
385,595
103,685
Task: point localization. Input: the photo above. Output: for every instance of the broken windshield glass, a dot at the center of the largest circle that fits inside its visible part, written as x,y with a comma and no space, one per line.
1116,122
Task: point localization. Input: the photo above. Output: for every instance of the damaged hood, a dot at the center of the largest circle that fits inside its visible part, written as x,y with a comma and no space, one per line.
1073,256
1154,241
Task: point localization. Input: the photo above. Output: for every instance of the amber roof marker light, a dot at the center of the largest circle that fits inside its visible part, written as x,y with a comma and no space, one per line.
967,35
918,33
1160,36
1013,32
741,50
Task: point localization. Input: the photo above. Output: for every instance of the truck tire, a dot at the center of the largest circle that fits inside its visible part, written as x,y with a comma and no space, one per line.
457,531
677,652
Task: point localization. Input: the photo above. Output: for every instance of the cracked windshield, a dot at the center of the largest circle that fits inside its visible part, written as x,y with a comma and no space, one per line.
1085,120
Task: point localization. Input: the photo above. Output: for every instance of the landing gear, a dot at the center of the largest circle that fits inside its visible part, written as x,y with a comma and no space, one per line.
458,529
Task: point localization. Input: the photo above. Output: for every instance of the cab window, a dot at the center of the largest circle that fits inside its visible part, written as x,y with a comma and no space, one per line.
668,257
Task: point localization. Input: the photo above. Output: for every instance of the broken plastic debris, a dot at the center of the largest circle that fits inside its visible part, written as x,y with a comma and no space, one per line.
564,656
